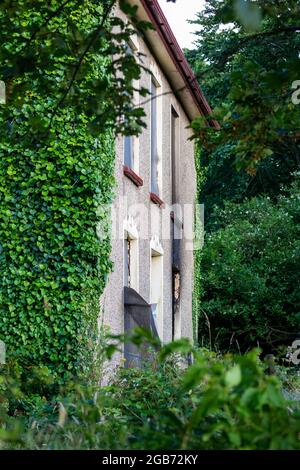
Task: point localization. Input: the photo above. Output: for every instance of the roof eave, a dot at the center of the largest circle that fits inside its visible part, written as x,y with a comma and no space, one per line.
173,61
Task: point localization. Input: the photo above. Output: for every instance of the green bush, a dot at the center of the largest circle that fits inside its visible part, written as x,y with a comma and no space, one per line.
217,403
250,275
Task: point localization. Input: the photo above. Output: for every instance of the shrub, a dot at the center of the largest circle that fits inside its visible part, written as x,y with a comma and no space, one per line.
217,403
250,275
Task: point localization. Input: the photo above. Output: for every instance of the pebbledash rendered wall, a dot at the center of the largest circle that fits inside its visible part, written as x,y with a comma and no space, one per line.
112,304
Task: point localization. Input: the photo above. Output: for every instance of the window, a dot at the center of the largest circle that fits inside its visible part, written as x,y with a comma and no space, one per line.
130,141
131,262
154,140
156,287
137,313
127,262
128,151
176,225
174,154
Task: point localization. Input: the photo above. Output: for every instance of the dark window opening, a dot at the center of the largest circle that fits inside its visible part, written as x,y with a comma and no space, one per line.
127,248
175,298
137,313
176,236
174,146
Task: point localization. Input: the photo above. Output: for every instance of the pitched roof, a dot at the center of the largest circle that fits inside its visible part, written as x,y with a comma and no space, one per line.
182,79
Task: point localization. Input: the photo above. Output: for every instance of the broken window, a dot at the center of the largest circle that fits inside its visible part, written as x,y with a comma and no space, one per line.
131,262
176,235
174,154
137,313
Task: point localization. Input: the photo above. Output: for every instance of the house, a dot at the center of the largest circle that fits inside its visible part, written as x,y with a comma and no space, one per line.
153,216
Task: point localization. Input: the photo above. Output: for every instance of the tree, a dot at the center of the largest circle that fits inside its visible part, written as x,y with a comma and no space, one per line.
247,55
250,289
52,45
247,60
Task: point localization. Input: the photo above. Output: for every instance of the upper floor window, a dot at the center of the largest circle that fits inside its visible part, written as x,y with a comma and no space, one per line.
131,142
128,151
154,138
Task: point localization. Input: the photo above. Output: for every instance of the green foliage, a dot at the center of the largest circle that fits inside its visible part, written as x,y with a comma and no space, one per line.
217,403
250,270
248,75
65,100
246,58
62,52
53,267
222,182
200,180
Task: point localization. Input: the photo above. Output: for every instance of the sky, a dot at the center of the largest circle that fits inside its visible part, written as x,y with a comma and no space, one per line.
177,15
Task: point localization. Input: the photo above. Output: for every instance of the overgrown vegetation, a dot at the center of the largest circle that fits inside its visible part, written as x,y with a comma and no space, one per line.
66,100
217,403
250,271
247,58
69,91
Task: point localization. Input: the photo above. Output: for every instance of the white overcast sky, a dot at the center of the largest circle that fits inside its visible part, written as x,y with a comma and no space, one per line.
177,15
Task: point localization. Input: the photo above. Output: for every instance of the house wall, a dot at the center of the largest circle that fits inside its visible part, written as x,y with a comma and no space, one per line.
112,310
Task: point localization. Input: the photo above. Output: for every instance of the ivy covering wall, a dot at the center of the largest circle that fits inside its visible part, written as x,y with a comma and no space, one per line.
52,265
197,253
69,89
56,170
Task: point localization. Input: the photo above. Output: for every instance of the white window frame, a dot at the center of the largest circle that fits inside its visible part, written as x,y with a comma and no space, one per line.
131,233
157,282
156,78
133,43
